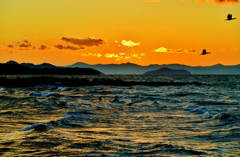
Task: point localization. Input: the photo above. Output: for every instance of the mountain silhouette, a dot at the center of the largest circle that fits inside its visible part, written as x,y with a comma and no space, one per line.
13,68
134,69
130,68
12,62
30,65
167,71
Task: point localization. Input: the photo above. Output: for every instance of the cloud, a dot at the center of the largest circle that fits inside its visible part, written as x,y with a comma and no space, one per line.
92,54
25,45
161,49
119,56
219,1
61,47
165,50
130,43
42,47
10,46
25,41
84,42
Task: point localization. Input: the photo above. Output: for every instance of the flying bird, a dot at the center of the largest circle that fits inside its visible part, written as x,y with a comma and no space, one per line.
229,17
204,52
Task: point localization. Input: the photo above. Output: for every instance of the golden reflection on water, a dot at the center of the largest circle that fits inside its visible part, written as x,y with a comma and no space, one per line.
113,128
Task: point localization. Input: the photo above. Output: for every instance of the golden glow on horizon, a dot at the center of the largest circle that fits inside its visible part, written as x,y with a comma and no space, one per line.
105,31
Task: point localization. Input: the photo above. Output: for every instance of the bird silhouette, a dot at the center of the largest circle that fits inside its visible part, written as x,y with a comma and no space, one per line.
204,52
229,17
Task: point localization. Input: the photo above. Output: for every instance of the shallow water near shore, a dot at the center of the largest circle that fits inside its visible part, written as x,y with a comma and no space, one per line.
188,120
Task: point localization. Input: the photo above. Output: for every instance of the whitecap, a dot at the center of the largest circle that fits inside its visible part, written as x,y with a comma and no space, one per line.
2,90
44,94
225,116
201,110
208,114
36,93
126,97
62,89
154,103
50,94
190,107
29,127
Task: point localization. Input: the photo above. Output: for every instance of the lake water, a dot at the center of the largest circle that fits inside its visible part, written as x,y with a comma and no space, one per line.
189,120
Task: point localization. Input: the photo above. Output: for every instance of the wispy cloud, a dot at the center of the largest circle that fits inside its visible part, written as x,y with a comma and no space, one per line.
84,42
23,45
161,49
119,56
130,43
61,47
91,54
165,50
10,46
42,47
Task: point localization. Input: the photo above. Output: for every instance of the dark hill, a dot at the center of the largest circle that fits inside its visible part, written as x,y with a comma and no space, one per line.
12,62
16,69
30,65
45,65
167,71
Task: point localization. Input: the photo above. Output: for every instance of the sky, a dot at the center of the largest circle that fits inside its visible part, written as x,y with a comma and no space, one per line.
144,32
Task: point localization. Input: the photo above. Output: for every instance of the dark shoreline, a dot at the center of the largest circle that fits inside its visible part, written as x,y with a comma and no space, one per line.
8,81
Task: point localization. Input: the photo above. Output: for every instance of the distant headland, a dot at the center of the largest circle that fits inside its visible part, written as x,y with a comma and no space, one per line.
167,71
13,68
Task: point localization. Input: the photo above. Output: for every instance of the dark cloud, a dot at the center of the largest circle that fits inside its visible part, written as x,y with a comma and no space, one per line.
219,1
42,47
61,47
25,45
10,46
84,42
25,41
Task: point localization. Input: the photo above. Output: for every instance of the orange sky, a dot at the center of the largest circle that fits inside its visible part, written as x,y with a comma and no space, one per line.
144,32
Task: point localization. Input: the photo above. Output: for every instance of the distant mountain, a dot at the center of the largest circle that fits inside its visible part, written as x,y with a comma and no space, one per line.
130,68
134,69
11,62
30,65
167,71
46,65
16,69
